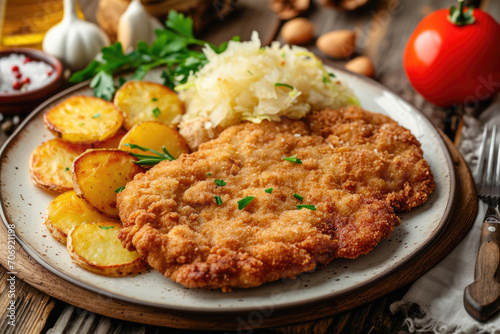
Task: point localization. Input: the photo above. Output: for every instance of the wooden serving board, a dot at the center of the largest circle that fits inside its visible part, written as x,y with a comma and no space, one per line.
461,220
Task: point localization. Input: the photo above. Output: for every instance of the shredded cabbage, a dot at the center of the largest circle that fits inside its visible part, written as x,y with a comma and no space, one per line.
255,83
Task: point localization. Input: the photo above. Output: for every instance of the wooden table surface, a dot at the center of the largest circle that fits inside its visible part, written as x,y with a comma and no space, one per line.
383,29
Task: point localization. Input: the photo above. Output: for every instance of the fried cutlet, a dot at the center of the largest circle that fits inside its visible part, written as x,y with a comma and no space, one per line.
187,223
374,156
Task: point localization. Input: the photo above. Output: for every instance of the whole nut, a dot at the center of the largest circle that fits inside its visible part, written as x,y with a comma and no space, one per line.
361,65
298,31
345,4
338,43
288,9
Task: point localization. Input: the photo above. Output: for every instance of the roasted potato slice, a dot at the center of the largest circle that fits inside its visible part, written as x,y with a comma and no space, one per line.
83,120
147,101
66,212
99,174
154,135
96,248
50,164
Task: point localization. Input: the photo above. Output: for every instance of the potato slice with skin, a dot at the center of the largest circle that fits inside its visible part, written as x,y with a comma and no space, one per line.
83,120
50,164
148,101
67,211
96,248
154,135
99,174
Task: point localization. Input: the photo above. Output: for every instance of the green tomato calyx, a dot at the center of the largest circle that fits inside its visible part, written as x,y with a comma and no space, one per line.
459,17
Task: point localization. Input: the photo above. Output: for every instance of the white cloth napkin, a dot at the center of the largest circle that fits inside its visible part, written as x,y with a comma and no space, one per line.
439,293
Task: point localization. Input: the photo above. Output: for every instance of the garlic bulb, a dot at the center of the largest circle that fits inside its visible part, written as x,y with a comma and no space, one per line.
136,25
74,41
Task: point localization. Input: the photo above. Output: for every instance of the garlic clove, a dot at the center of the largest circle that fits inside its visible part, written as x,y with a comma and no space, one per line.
136,25
74,41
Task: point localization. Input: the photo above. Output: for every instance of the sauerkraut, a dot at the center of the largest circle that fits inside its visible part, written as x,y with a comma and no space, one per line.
254,83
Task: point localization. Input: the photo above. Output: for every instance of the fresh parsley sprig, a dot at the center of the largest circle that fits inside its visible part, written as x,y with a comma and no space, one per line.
169,49
150,160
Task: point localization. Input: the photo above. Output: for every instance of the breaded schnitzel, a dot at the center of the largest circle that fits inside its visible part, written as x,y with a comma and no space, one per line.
374,156
183,216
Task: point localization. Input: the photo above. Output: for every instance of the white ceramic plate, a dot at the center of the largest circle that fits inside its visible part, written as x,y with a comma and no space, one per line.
24,205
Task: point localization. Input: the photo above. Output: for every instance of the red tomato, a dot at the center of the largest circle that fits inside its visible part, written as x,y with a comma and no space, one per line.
454,64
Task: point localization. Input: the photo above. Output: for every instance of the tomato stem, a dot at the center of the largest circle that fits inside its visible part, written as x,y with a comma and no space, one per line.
459,17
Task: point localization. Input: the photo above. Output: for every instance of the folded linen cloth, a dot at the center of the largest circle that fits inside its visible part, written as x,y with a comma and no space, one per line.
439,293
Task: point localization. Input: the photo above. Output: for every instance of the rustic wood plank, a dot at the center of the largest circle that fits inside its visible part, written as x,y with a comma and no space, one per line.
32,307
247,16
492,7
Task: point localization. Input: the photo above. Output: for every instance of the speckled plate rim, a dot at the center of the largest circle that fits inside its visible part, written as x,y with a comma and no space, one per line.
307,301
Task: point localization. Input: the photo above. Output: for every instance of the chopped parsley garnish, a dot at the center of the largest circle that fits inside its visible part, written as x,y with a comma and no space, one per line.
332,75
268,190
149,160
119,190
66,169
310,207
106,227
242,203
297,196
209,174
156,112
81,124
220,183
293,159
154,99
96,115
279,84
218,200
326,79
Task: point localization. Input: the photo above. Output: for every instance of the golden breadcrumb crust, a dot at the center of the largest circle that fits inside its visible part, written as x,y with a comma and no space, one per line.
357,169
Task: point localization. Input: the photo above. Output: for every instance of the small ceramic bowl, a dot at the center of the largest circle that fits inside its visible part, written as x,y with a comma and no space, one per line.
23,102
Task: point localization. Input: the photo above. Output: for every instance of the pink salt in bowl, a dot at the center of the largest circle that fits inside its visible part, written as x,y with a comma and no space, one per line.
27,78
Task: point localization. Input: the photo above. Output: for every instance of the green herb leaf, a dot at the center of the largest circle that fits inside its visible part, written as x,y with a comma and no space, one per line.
119,190
148,160
279,84
85,74
103,85
156,112
154,99
307,206
180,24
242,203
96,115
220,183
66,169
209,174
332,75
293,159
218,200
268,190
106,227
297,196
